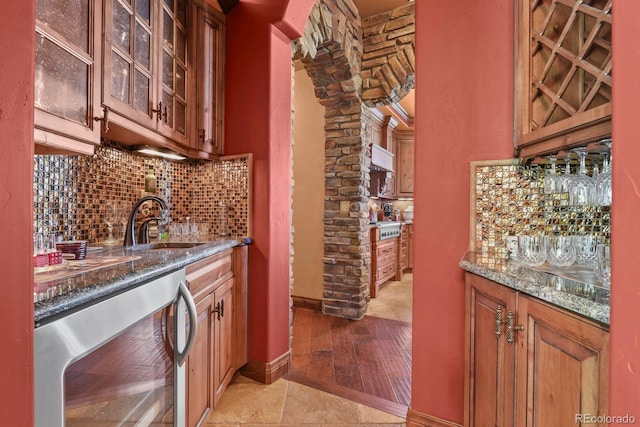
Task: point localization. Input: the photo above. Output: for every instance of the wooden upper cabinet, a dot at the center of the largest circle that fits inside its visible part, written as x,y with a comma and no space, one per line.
145,67
563,74
209,82
404,163
67,75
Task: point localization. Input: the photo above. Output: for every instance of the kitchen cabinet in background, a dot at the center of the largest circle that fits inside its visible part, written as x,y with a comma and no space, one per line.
404,148
67,76
384,262
403,251
409,245
563,74
529,363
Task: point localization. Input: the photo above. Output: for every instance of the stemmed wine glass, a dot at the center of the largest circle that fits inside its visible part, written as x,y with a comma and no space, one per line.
603,183
551,176
563,181
583,188
111,216
123,215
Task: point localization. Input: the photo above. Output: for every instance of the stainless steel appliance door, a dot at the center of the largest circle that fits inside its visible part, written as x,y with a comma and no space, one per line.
57,345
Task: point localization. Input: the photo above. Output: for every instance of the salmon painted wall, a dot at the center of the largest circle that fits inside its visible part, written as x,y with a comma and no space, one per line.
258,120
16,204
464,112
624,388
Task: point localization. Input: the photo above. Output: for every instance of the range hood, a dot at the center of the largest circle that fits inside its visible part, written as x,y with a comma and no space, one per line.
381,159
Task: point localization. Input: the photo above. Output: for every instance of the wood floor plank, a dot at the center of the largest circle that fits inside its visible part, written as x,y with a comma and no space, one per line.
349,376
371,357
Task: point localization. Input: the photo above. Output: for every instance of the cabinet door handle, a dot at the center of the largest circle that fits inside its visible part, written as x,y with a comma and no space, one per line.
511,327
499,321
219,309
158,111
104,119
165,115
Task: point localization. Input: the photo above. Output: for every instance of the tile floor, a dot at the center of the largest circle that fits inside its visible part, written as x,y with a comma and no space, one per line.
287,403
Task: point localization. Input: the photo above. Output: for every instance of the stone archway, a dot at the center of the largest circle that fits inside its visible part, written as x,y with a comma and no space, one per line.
347,82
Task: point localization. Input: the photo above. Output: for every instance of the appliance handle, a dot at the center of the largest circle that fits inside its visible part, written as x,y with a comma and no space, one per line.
183,292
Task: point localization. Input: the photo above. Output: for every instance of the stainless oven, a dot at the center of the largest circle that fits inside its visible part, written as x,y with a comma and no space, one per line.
119,361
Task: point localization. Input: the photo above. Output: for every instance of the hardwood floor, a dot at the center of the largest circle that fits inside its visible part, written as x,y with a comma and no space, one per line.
368,360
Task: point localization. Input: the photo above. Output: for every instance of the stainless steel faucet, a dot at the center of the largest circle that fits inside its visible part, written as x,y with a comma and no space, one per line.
129,237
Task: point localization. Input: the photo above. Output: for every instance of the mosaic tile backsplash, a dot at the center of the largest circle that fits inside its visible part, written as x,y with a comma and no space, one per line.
69,191
510,200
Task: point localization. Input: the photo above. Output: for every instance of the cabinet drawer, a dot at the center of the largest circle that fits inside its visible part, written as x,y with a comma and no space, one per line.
386,272
206,274
386,249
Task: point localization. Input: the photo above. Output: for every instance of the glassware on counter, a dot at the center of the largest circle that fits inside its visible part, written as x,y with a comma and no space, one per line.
586,249
603,267
532,249
111,216
561,251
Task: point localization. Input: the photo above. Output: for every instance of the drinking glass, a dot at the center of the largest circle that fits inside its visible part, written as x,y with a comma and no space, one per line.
563,181
551,176
586,249
560,250
603,183
582,188
603,268
123,215
532,249
111,215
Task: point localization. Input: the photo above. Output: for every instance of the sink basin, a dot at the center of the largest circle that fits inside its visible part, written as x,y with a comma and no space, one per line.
167,245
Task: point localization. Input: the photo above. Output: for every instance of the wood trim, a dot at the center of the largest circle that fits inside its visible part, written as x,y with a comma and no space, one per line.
268,373
347,393
473,166
241,309
401,115
417,419
308,303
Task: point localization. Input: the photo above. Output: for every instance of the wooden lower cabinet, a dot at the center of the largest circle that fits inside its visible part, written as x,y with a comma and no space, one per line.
384,264
565,368
220,294
403,251
409,245
224,338
542,369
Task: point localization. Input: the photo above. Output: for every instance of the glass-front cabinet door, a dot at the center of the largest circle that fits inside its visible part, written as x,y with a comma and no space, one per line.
128,84
173,68
145,64
67,73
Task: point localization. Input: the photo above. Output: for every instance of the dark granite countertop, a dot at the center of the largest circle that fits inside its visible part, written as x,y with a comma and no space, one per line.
574,288
56,298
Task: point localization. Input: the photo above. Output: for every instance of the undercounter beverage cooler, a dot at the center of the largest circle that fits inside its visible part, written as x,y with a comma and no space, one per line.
119,361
